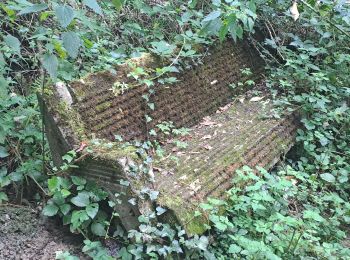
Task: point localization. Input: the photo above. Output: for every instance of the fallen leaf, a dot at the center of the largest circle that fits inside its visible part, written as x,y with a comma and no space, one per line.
207,121
222,109
294,11
207,147
256,99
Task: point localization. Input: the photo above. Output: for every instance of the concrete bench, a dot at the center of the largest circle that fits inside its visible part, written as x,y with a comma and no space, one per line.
87,110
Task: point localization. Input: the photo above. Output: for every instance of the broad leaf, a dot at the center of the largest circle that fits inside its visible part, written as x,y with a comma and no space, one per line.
118,4
50,210
65,208
50,63
3,197
33,9
98,229
212,16
71,43
93,5
53,184
328,177
64,14
13,43
78,180
3,152
92,210
81,200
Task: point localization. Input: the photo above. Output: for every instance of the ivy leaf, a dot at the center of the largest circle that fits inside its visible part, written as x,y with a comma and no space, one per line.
50,63
163,48
118,4
65,193
64,14
81,200
328,177
309,214
98,229
50,210
3,197
33,9
203,243
13,43
3,152
160,211
53,184
153,194
71,43
234,249
92,210
93,5
212,16
65,208
78,180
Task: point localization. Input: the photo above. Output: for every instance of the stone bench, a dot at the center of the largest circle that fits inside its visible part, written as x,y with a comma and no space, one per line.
88,109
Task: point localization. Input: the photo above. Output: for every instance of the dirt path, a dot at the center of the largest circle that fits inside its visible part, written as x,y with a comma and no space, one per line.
25,234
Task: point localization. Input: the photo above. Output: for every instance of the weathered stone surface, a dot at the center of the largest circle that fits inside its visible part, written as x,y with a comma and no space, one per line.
217,147
236,137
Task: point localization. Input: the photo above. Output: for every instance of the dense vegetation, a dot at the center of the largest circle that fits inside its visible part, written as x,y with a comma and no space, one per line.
300,210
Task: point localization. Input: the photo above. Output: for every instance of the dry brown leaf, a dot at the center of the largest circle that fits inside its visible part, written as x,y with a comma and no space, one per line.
207,147
256,99
206,137
207,121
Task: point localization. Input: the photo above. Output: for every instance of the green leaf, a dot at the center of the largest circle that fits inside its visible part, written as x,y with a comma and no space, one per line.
50,210
64,14
93,5
212,16
71,43
78,217
33,9
163,48
92,210
13,43
118,4
3,152
50,63
193,3
53,184
309,214
65,193
234,249
78,180
65,208
81,200
328,177
98,229
3,197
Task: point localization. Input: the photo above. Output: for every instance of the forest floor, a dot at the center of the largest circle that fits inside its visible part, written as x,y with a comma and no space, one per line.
26,234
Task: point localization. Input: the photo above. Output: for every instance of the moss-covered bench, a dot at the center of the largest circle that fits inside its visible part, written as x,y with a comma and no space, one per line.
88,111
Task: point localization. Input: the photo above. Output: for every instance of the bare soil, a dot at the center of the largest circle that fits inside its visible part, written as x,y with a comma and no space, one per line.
26,234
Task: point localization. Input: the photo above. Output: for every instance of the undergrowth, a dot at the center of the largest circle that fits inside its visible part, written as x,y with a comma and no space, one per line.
300,210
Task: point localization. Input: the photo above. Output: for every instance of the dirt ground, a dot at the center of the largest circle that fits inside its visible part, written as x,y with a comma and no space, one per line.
25,234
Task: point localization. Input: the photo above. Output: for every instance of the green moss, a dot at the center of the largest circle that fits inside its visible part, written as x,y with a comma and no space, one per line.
79,93
184,213
103,106
196,226
72,118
